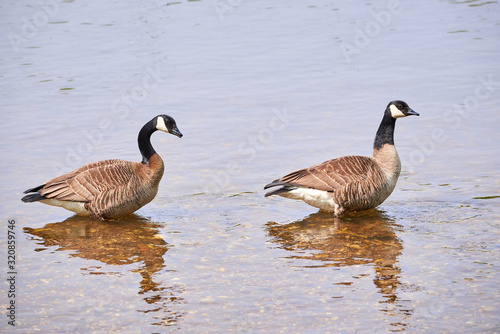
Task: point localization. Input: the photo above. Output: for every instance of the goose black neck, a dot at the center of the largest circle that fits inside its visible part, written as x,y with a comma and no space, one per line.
144,141
385,133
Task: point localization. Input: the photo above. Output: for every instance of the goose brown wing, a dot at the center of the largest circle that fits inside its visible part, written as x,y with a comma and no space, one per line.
85,183
332,174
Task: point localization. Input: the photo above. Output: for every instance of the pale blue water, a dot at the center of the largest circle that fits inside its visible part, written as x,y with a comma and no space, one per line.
259,89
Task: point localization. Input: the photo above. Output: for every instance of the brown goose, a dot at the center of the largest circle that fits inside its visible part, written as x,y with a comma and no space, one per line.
352,182
109,188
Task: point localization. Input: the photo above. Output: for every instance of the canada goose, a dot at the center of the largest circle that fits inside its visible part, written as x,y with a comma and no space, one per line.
109,188
352,182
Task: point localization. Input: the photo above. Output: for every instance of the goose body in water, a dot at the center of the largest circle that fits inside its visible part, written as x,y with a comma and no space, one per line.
352,182
109,188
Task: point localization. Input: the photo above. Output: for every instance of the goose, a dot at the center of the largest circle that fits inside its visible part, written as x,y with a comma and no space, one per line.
109,188
350,183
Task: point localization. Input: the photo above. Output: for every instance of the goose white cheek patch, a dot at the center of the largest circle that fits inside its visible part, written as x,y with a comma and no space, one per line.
395,112
160,124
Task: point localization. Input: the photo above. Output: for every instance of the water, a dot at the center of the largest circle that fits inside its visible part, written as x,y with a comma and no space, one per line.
259,89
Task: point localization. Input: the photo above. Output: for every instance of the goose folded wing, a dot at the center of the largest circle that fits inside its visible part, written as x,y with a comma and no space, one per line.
332,174
85,183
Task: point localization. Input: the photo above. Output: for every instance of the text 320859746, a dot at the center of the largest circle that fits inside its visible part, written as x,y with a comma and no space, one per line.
11,272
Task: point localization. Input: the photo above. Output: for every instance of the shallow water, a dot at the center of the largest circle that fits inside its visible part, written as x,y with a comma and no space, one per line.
259,89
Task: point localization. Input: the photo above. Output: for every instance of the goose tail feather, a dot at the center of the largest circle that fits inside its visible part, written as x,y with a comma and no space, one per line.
34,190
35,197
284,187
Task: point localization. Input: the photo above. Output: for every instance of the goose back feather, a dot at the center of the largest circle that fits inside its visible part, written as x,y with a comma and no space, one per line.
108,188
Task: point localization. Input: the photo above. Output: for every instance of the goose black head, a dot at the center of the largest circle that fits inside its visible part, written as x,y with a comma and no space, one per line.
399,109
167,124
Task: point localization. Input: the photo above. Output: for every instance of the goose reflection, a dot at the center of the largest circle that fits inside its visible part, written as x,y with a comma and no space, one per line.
132,239
363,238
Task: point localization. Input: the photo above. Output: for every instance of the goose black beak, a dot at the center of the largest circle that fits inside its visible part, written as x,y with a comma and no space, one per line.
412,112
176,132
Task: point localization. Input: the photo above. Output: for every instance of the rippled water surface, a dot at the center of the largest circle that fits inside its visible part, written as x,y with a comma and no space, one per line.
259,89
